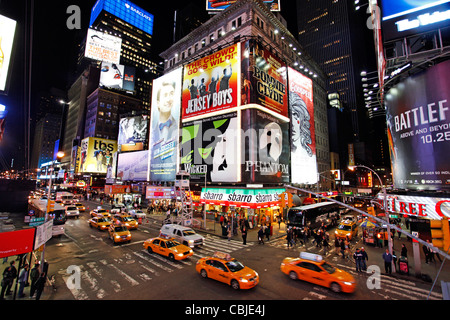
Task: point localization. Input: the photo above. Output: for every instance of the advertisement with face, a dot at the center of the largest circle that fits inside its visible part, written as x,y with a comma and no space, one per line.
96,155
303,144
117,76
264,79
418,114
7,32
211,83
266,143
133,133
133,166
164,128
210,146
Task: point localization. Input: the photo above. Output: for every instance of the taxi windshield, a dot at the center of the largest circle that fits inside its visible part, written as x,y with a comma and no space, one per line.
127,219
103,220
234,265
328,268
120,229
102,210
344,227
172,243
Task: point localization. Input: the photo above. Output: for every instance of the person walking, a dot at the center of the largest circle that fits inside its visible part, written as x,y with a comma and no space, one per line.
261,235
34,276
387,257
358,256
23,277
9,275
289,237
267,231
427,252
244,233
404,252
342,245
229,230
40,285
365,257
337,245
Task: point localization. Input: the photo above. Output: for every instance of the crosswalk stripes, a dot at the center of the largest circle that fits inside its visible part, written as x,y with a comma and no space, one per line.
95,285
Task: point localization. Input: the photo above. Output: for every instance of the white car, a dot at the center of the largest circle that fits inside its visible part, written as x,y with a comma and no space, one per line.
72,211
182,234
137,214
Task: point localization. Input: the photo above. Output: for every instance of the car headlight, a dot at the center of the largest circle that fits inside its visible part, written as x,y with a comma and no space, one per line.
180,254
349,234
347,283
117,237
243,280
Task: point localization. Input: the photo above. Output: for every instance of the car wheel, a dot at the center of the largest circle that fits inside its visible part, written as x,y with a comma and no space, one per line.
171,257
149,249
203,273
293,275
234,284
335,287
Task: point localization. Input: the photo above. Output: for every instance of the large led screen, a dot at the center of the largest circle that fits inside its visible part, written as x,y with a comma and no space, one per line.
220,5
164,128
103,47
133,133
117,76
210,147
133,166
264,79
303,141
7,32
212,83
96,155
418,114
265,143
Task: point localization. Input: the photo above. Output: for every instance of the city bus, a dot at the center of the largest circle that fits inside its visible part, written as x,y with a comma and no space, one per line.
38,208
65,197
314,215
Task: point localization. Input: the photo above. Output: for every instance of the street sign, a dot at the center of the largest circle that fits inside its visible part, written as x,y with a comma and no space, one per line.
36,221
43,234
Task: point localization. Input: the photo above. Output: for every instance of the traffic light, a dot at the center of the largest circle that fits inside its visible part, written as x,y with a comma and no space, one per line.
290,202
440,234
51,206
282,198
371,210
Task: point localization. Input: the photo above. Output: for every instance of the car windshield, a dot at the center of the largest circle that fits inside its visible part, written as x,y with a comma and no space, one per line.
71,208
101,211
188,232
344,227
120,229
328,268
172,243
234,265
127,219
103,220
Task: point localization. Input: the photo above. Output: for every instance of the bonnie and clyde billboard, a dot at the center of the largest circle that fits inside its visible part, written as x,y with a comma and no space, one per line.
418,117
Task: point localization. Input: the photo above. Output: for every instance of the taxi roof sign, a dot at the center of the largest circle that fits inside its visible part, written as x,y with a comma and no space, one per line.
222,255
311,256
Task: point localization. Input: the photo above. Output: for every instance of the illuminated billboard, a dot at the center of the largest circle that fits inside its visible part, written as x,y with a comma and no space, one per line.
212,83
133,133
126,11
103,47
220,5
117,76
402,18
264,79
164,127
96,155
303,141
133,166
418,114
7,32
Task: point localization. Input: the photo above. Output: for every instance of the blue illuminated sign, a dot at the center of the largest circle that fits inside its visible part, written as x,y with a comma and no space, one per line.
392,9
126,11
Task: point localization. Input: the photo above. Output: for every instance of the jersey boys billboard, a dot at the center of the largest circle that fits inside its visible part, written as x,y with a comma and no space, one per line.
418,114
211,83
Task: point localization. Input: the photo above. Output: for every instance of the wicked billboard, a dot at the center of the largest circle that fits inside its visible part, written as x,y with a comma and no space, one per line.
418,114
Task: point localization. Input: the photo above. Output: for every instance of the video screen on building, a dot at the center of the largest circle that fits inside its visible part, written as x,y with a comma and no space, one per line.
96,155
133,133
7,33
103,47
164,127
211,83
303,141
418,113
132,166
219,5
117,76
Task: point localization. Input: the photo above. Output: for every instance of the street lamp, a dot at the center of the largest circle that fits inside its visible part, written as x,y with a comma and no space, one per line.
390,245
59,155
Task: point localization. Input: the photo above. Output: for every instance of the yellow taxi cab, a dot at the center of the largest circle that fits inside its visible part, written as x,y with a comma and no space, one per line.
312,268
346,229
168,247
100,212
101,223
126,220
119,233
223,268
80,207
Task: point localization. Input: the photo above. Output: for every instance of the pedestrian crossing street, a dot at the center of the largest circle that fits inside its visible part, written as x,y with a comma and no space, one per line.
105,278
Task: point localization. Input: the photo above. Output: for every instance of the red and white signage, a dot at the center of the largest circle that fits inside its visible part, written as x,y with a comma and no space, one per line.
16,242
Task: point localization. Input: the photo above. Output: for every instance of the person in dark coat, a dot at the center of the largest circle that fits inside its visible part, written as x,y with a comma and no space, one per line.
40,285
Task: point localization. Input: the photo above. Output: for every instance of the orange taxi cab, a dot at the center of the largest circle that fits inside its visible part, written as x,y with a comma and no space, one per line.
119,233
100,212
101,223
223,268
168,247
312,268
126,220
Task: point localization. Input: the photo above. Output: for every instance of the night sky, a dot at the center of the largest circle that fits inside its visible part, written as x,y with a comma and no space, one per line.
54,53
